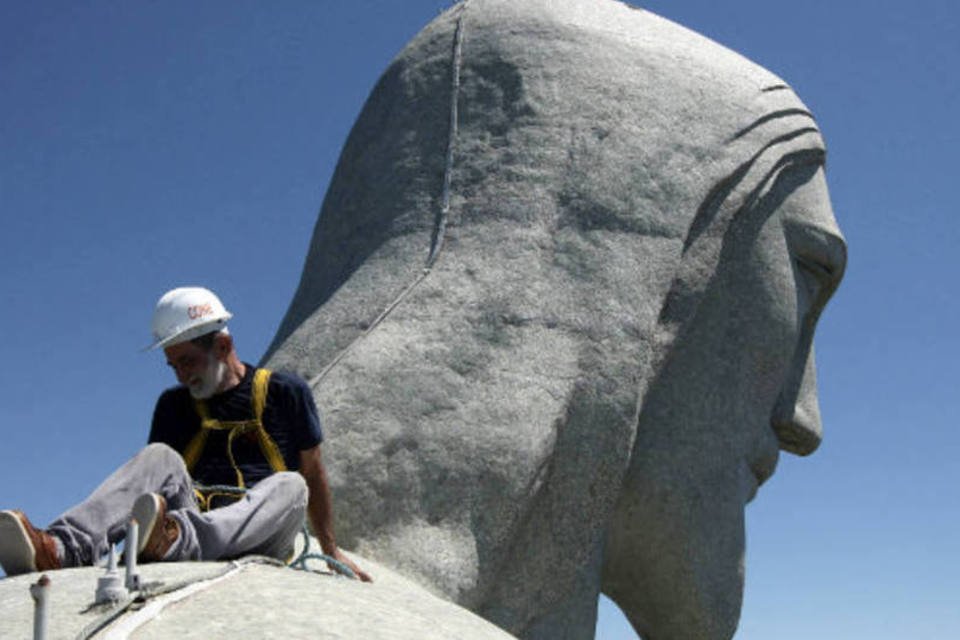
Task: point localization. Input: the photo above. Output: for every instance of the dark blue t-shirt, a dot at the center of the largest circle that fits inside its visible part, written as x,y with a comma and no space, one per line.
290,417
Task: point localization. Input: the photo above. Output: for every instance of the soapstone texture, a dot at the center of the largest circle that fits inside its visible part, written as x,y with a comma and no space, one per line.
259,601
558,313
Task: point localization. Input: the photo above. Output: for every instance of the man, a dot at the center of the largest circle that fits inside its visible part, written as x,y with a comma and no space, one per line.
218,477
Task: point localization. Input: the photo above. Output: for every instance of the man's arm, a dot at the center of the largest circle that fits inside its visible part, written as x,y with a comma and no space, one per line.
320,508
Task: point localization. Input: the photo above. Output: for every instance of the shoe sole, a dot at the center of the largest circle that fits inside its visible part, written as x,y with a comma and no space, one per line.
17,554
146,511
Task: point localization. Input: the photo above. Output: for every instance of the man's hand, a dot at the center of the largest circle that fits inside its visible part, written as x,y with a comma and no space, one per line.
320,508
341,557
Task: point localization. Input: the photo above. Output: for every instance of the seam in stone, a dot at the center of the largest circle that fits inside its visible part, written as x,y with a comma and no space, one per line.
443,214
440,223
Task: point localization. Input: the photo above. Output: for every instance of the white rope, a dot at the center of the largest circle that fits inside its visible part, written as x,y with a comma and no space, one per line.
122,629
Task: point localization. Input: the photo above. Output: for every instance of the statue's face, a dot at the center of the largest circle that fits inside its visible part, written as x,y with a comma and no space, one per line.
600,255
752,378
738,386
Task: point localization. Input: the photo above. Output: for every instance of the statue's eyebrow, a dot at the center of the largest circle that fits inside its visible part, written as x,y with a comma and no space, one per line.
712,204
775,115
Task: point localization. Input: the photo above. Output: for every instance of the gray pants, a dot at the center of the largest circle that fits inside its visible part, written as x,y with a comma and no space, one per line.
265,521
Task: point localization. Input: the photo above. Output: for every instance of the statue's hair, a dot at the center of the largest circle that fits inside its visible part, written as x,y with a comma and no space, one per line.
767,156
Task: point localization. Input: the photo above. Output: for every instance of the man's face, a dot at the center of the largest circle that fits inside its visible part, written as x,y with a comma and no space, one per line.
199,369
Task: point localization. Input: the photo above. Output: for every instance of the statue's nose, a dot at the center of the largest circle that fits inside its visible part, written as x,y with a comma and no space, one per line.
796,417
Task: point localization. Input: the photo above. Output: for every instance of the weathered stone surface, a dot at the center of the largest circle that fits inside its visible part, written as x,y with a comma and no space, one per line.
258,601
560,358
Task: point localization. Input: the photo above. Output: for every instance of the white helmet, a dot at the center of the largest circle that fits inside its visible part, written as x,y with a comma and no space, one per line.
185,313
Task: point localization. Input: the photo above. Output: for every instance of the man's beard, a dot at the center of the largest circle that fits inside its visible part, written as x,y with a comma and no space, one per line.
210,380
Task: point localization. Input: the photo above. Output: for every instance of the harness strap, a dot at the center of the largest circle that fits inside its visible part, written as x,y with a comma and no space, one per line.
213,496
268,447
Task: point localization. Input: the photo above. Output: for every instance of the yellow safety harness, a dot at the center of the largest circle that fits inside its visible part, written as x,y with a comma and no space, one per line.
271,452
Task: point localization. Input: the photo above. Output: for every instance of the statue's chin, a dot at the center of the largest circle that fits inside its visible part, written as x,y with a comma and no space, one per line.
678,564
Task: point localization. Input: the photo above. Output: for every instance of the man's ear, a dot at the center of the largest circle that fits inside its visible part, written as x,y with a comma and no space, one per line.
223,346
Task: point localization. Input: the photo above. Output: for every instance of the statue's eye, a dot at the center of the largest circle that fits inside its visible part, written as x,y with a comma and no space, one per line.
820,257
816,277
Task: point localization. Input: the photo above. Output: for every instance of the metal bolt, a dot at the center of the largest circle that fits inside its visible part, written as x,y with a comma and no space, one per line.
110,586
130,555
39,593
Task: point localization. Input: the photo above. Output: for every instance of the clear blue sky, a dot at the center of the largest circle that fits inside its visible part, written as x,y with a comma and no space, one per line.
145,145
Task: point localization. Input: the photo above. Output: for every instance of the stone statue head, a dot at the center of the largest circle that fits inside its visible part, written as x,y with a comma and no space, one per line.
558,311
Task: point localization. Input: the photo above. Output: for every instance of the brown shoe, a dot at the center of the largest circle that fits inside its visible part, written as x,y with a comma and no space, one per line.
158,530
23,547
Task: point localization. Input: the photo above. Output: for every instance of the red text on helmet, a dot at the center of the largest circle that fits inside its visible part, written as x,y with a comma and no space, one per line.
199,310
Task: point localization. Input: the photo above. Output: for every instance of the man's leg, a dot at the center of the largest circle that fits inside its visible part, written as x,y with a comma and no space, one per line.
265,521
88,529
